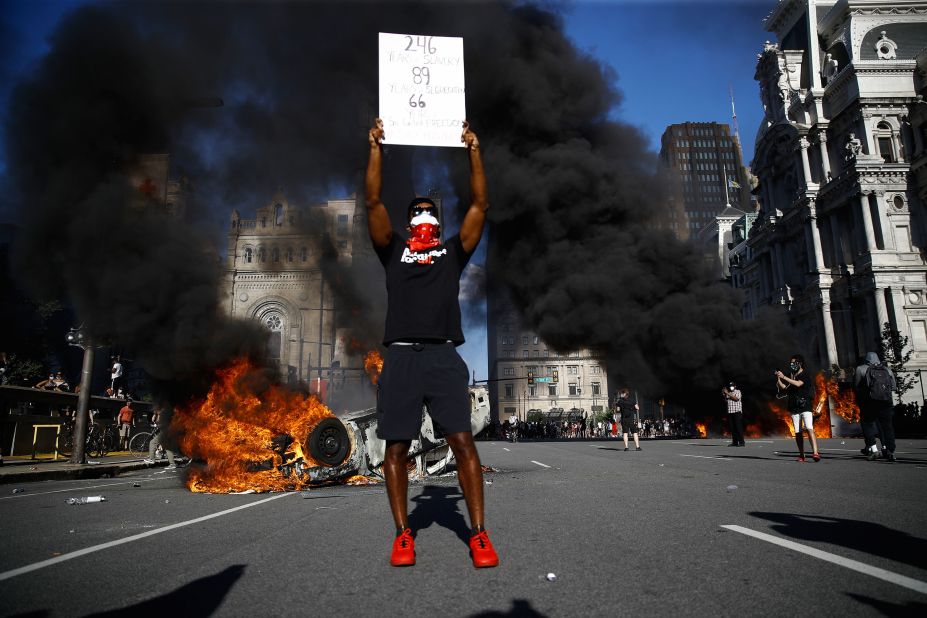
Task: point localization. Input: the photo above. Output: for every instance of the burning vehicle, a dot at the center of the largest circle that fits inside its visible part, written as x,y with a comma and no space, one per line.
249,434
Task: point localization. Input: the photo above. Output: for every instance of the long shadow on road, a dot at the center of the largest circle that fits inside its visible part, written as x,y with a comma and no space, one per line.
863,536
200,597
439,505
886,608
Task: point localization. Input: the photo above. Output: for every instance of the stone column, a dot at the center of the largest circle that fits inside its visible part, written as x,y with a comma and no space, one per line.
830,341
867,222
834,221
898,312
816,243
778,268
881,308
825,156
888,234
803,145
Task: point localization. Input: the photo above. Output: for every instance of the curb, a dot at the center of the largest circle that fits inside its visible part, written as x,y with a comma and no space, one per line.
78,472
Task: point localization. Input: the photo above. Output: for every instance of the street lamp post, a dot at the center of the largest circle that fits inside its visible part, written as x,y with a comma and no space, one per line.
75,337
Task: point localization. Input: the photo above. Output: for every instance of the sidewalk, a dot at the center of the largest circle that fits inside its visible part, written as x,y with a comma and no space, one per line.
27,470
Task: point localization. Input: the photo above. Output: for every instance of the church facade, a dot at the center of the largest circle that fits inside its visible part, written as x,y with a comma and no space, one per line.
274,274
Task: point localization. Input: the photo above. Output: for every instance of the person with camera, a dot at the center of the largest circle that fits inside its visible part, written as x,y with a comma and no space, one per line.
799,388
735,413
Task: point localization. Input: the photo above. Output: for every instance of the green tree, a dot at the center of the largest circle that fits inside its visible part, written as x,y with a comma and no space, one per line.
895,353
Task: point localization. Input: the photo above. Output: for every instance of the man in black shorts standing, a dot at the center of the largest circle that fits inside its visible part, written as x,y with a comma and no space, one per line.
423,328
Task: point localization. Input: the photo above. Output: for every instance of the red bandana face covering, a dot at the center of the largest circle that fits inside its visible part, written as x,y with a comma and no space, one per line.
424,232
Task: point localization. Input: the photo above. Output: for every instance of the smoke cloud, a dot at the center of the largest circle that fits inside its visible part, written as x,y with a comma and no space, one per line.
572,191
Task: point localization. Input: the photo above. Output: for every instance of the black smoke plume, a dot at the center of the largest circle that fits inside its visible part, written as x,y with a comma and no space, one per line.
572,191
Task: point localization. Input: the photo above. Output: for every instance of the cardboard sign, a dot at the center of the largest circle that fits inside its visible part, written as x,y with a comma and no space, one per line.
422,95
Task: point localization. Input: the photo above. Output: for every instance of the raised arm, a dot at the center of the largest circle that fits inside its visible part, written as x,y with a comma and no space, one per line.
378,224
472,227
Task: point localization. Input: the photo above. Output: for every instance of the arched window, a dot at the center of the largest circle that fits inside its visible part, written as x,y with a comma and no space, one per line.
275,255
273,322
249,255
304,254
278,214
884,137
289,254
262,255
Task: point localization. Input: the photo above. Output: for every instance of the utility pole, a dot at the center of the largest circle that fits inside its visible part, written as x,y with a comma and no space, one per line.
75,337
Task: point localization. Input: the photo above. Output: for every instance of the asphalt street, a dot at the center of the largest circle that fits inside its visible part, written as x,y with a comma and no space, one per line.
687,527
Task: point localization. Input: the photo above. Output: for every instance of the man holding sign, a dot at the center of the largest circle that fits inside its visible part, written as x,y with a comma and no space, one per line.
423,327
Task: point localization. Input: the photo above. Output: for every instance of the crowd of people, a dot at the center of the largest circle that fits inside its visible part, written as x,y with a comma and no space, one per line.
602,429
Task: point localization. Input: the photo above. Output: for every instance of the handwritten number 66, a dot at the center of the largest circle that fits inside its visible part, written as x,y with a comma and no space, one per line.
418,103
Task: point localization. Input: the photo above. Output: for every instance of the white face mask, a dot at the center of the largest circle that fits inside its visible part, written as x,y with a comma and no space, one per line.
425,217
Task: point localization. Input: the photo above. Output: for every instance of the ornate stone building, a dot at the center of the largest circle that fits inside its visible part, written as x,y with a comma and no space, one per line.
514,351
840,157
274,274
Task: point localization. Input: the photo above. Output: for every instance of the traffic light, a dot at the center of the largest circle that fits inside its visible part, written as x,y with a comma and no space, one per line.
556,376
530,378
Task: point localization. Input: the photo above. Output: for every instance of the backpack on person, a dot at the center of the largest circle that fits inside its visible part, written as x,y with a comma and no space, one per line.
879,383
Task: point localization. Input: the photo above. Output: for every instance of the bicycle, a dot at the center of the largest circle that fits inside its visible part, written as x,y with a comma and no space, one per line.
140,442
99,441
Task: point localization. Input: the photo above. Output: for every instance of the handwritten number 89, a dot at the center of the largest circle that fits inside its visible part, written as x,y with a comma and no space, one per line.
421,73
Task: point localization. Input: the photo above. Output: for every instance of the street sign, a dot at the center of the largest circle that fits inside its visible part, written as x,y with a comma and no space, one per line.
543,379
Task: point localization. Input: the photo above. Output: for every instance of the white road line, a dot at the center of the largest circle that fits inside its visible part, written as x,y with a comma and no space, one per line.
80,488
505,449
89,550
540,464
706,456
767,441
853,565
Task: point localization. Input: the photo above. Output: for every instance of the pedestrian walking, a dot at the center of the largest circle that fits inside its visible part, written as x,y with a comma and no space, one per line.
160,423
798,386
874,384
629,411
735,413
423,328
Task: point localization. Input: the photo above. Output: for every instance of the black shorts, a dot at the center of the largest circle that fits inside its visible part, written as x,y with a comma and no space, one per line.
432,374
629,425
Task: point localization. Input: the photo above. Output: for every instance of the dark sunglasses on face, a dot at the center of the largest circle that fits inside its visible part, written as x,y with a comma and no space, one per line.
417,210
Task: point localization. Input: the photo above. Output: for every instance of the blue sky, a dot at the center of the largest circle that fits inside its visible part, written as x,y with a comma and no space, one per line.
674,60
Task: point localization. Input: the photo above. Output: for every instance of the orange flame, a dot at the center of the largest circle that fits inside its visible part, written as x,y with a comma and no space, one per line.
702,430
373,365
232,429
844,401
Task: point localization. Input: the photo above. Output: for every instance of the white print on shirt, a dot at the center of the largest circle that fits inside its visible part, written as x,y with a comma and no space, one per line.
410,257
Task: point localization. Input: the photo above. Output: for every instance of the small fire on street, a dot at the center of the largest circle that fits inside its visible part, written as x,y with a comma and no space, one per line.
244,430
373,365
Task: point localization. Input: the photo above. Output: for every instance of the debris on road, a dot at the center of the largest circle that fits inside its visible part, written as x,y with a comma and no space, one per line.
167,502
488,482
19,490
86,500
731,488
551,577
136,484
242,493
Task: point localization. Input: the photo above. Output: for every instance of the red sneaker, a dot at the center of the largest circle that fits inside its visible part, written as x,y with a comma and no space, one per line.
403,549
801,459
482,552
